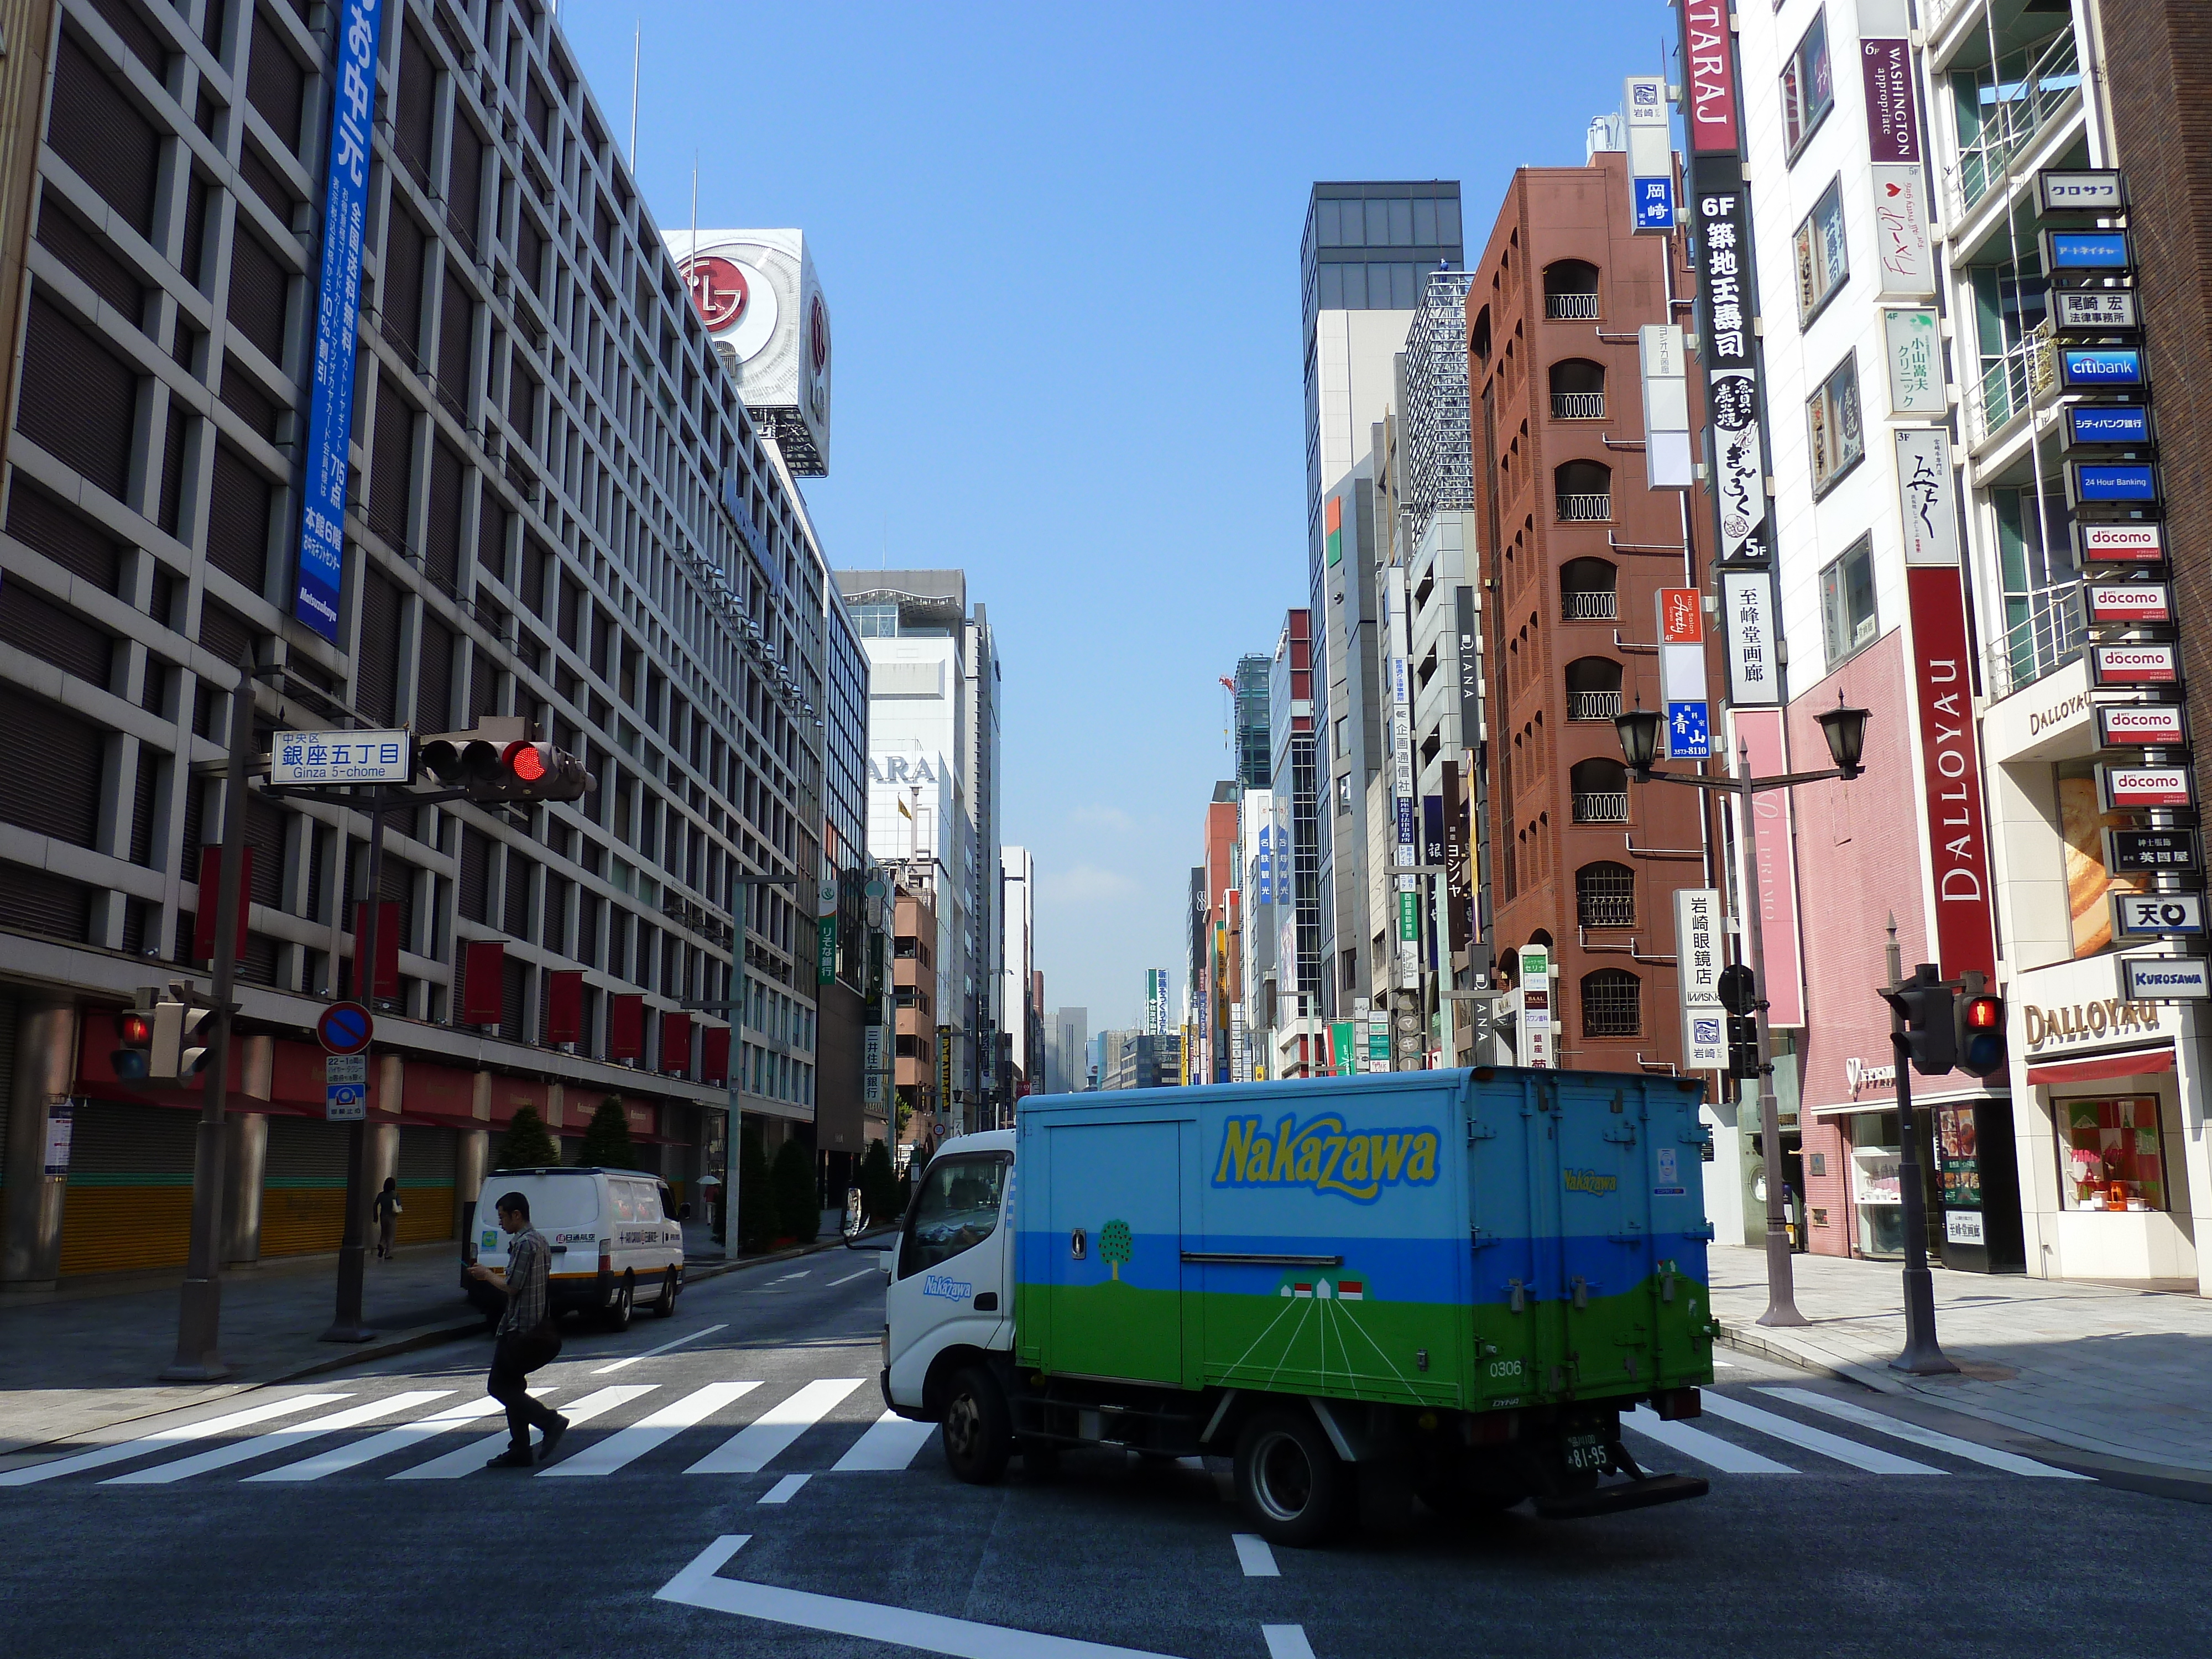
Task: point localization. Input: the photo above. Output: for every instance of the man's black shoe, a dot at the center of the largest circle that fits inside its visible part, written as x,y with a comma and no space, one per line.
514,1457
552,1439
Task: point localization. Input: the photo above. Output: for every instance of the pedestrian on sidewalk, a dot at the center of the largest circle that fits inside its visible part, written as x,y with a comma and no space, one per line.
387,1218
525,1337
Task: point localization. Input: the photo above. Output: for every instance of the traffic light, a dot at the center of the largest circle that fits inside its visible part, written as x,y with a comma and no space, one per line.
1743,1046
1979,1036
134,1030
178,1051
195,1037
1930,1021
493,765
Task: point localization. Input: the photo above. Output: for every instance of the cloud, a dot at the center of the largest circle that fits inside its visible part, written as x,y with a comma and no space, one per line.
1110,818
1086,883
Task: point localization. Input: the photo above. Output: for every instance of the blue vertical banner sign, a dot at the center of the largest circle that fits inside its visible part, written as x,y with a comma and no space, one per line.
337,314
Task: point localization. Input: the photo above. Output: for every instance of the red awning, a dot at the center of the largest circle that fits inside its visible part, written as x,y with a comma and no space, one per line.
2088,1068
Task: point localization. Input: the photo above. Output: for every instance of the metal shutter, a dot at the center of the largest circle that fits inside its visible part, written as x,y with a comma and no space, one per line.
464,190
7,1010
427,1160
99,132
38,739
515,998
441,537
391,468
35,624
416,107
259,286
78,400
303,1187
434,678
45,524
476,874
238,519
274,81
129,1201
515,919
399,295
375,664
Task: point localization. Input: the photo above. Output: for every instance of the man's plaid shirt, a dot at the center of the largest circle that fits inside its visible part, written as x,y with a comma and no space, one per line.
528,1257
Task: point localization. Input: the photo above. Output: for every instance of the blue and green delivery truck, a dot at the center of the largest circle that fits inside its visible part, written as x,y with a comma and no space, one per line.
1444,1284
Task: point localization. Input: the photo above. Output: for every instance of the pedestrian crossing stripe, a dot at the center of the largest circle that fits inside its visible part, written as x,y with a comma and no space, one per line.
163,1439
1730,1458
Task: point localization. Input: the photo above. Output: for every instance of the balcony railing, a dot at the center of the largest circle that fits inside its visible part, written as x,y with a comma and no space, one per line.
1579,506
1571,307
2052,633
1605,909
1579,405
2010,383
2017,101
1605,806
1592,705
1590,605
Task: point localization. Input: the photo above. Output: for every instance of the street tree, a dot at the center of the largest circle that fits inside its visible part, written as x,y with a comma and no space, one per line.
607,1144
878,1184
528,1144
798,1203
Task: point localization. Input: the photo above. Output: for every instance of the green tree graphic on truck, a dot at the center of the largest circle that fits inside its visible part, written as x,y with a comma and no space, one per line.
1115,1247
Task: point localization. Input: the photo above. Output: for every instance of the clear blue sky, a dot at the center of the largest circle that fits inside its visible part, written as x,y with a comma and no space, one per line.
1060,245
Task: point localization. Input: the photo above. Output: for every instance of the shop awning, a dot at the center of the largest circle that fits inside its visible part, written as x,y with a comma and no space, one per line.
2088,1068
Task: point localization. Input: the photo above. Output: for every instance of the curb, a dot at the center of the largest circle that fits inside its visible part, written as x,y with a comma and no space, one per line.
2163,1479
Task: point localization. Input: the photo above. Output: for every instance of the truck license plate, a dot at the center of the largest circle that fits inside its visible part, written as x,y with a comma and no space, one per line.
1587,1451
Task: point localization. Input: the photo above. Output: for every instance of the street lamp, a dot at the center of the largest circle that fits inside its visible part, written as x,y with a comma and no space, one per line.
1846,730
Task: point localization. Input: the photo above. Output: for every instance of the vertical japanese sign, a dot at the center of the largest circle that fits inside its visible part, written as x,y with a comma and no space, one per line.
1698,966
1667,447
1748,598
1650,154
872,1065
1459,890
1536,1004
1733,395
1682,673
1904,257
1772,878
1951,769
1912,346
337,321
1927,490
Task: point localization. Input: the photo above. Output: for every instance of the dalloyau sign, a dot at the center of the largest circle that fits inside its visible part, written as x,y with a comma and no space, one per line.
1709,112
1958,848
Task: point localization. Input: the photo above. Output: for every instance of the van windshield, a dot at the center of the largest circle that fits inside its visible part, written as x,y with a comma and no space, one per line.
554,1201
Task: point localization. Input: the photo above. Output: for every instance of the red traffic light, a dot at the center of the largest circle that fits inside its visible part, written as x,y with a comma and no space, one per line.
530,763
135,1029
1983,1014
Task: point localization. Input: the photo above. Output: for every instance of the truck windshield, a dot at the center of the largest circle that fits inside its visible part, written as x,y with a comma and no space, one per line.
958,1209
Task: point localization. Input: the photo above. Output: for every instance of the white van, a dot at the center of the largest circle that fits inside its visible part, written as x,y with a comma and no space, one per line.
616,1236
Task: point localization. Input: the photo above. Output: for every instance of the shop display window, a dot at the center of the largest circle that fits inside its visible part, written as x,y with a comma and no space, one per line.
1875,1154
1960,1165
2110,1155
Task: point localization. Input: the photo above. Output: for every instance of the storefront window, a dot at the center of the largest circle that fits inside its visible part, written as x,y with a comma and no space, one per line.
1962,1170
2110,1155
1875,1152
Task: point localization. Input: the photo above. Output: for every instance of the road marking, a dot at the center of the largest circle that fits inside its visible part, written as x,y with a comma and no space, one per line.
626,1445
1287,1642
383,1445
784,1490
244,1451
1254,1555
747,1451
1708,1449
163,1439
890,1443
2011,1462
663,1348
469,1459
929,1633
850,1277
1871,1459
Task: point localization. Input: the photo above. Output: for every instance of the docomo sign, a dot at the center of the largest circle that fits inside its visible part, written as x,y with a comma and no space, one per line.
2129,602
2141,726
1711,56
2136,543
2135,665
2135,788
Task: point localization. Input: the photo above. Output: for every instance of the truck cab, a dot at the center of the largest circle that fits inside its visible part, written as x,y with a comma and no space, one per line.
949,1302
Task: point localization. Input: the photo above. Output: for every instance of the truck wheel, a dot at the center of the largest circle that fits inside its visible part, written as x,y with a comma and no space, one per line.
619,1310
979,1431
1290,1483
664,1307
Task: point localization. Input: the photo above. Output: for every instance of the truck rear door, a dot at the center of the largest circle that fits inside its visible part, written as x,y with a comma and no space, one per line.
1603,1242
1114,1249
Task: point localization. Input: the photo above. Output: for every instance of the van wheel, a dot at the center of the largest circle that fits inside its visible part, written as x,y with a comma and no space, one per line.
1290,1482
979,1431
625,1304
664,1307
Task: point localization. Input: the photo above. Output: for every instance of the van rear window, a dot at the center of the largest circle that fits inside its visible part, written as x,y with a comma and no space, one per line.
555,1200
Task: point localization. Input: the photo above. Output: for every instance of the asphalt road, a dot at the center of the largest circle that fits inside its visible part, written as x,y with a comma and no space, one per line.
378,1535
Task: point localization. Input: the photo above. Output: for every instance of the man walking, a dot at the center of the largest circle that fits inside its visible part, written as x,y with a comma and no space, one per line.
526,1338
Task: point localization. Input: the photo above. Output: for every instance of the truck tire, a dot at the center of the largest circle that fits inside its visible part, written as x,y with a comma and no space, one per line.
664,1307
1291,1484
618,1311
979,1431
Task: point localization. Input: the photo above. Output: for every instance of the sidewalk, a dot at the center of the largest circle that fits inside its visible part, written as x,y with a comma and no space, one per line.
2114,1372
84,1358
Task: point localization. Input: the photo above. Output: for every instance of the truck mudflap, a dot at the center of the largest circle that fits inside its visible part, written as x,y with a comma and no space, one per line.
1636,1493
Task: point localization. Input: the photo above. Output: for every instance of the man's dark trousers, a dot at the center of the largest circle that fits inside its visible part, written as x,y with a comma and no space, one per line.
515,1357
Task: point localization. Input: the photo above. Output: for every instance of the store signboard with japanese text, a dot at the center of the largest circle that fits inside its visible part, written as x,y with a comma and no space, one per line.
1904,257
1913,346
1772,875
1927,491
1699,956
1682,673
1955,833
1754,676
1733,392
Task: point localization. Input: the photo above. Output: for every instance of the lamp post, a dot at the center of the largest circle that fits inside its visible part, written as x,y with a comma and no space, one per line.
1846,731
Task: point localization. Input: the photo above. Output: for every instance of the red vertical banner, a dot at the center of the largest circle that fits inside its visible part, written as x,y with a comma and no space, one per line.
626,1027
484,981
676,1042
1709,97
210,895
564,1005
1954,827
387,976
714,1054
1772,876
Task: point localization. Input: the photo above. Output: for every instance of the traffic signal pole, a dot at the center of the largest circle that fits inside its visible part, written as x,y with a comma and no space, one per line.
199,1309
1923,1356
346,1326
1781,1274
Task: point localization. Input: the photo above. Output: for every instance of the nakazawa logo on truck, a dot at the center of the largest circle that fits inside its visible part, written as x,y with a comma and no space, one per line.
1321,1155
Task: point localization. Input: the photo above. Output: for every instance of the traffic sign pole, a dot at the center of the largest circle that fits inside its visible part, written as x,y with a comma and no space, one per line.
353,1251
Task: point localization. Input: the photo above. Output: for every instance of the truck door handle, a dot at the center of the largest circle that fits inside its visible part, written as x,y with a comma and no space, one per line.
1582,1292
1078,1244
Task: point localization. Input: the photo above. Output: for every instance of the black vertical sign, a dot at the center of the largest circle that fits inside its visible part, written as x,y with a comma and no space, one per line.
1458,894
1470,669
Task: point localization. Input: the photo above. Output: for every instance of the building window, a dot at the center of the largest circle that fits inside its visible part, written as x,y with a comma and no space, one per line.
2111,1154
1847,609
1593,689
1808,90
1344,795
1571,291
1822,265
1600,789
1605,896
1578,390
1583,491
876,622
1587,590
1832,420
2045,625
1612,1004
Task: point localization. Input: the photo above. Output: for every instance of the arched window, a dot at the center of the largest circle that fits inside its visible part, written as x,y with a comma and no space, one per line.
1584,490
1578,390
1601,791
1587,590
1612,1004
1478,339
1570,290
1593,689
1605,896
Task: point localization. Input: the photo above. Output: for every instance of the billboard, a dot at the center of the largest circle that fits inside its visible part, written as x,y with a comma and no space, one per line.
757,292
